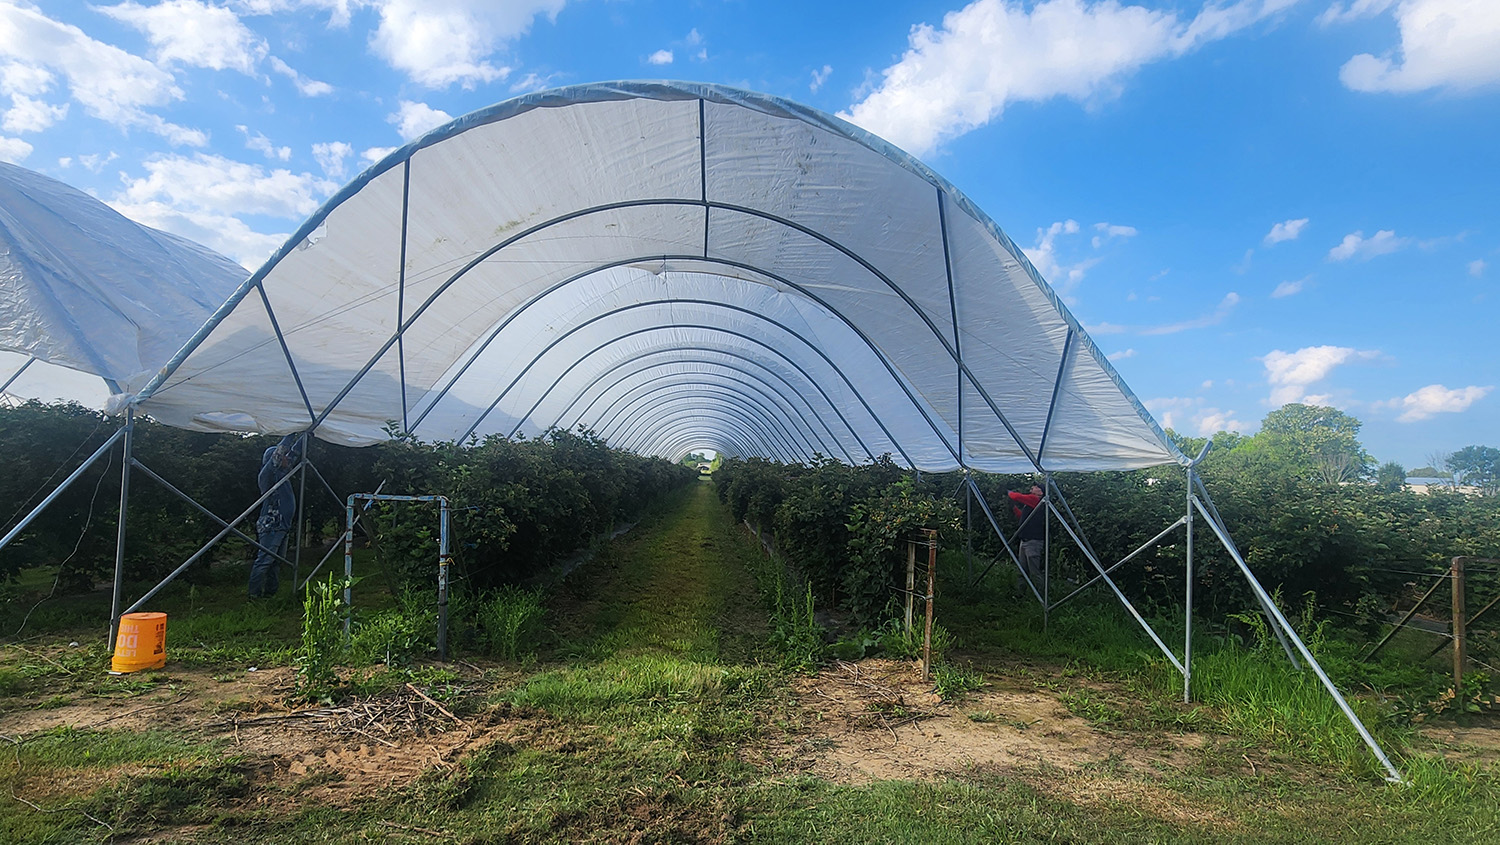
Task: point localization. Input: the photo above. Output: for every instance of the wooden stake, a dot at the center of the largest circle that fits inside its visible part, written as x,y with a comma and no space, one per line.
911,579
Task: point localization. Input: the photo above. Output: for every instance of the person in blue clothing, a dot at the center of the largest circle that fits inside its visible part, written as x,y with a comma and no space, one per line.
277,513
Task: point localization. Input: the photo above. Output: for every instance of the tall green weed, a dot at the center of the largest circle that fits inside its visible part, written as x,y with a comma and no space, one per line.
510,621
322,647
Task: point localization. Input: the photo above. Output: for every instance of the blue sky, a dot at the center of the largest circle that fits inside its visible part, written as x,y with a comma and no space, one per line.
1247,202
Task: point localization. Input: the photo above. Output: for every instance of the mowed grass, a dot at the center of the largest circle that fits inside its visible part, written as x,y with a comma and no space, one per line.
638,720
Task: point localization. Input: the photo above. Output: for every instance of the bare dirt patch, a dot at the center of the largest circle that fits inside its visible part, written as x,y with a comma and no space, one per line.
1468,743
877,720
336,754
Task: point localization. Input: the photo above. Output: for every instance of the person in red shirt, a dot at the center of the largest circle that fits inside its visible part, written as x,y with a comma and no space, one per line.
1033,533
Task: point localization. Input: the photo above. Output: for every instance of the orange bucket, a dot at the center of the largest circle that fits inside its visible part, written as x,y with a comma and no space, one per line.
141,643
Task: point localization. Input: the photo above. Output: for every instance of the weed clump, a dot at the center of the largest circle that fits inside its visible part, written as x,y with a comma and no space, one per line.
322,637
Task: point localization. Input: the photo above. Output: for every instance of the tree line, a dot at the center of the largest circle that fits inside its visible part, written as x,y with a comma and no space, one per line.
1312,512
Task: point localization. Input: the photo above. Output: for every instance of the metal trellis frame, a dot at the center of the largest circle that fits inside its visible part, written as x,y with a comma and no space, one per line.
444,559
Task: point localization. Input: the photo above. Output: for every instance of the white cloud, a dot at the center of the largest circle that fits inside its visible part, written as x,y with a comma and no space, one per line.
1043,256
1101,329
375,154
1452,44
1356,245
695,39
330,157
440,42
1211,421
1285,231
1292,373
95,163
14,150
109,83
261,144
338,10
1169,410
306,87
819,77
1109,231
25,84
992,53
28,115
531,82
416,119
28,80
213,184
1437,399
1289,288
1121,355
1354,10
1476,267
222,233
202,197
1188,415
192,33
660,57
1220,313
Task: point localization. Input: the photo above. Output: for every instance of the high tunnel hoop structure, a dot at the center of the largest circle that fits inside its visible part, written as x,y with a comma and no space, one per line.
675,266
708,211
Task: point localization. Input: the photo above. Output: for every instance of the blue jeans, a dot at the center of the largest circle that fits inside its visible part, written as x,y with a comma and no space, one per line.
263,576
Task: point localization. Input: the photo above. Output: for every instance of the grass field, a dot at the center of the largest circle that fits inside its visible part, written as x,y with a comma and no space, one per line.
648,707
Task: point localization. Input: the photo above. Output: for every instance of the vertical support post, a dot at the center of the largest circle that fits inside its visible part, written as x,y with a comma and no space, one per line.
301,509
114,607
931,589
1460,644
969,532
348,564
1187,643
1046,550
444,559
911,578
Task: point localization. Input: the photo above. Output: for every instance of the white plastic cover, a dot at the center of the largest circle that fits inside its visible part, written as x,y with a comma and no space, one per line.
83,287
675,266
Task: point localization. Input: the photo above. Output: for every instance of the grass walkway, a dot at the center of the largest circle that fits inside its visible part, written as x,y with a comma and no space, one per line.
676,584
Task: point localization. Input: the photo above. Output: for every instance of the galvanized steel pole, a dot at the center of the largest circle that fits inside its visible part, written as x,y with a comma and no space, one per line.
114,606
1187,644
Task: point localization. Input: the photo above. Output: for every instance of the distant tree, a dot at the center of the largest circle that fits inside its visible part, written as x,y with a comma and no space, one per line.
1429,472
1439,458
1478,466
1316,442
1390,477
694,459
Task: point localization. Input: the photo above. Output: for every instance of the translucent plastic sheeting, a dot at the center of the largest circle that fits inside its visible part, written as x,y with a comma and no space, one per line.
676,266
85,288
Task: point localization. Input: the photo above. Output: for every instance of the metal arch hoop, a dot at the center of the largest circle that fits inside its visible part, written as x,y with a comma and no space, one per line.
635,413
720,330
707,363
704,377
